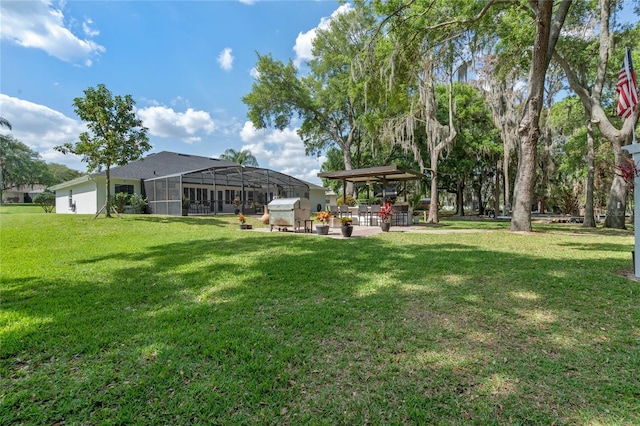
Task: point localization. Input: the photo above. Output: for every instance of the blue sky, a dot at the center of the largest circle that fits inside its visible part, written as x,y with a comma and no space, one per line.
187,65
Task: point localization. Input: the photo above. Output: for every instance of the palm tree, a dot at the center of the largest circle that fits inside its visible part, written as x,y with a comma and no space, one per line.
244,157
5,123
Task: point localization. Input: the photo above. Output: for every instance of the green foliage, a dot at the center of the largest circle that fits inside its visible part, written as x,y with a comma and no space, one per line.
350,201
116,135
137,202
244,157
346,220
20,165
46,200
119,201
60,173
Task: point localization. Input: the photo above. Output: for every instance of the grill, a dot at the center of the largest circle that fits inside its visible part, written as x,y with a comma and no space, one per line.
290,213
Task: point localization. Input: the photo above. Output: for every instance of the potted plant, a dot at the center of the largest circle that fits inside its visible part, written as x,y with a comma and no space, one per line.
347,227
185,205
385,214
243,222
324,217
416,217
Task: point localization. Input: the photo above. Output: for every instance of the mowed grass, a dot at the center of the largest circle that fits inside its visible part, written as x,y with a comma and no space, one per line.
153,320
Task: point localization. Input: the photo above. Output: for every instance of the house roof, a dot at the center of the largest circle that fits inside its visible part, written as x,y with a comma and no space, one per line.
72,182
192,169
164,163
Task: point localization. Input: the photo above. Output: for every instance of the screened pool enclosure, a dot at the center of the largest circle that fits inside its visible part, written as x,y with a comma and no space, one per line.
223,189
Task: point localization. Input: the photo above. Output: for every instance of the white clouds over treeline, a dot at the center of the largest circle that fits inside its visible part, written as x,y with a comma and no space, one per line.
281,150
164,122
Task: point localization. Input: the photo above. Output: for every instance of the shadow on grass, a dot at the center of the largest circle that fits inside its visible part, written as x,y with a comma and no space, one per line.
275,328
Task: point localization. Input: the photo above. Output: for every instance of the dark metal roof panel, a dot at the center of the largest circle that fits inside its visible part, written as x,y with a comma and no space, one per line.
373,174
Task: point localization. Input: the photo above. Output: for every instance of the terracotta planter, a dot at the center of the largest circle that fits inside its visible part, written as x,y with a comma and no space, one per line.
385,226
347,230
322,229
265,216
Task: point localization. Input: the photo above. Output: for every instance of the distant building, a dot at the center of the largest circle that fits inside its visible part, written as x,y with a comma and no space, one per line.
21,194
212,186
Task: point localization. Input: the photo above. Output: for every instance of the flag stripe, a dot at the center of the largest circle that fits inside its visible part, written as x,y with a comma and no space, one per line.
627,87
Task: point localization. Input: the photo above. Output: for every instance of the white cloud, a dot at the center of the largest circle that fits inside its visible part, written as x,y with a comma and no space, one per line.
249,2
282,151
88,31
39,25
42,128
254,73
165,122
304,41
225,59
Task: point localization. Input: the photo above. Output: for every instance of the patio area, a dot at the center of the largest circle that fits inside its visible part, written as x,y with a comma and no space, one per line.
359,231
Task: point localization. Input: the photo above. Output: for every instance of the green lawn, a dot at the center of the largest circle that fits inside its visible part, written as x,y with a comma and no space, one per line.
176,321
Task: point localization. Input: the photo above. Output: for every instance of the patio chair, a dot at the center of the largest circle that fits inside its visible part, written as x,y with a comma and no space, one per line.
375,208
402,215
334,211
344,211
363,212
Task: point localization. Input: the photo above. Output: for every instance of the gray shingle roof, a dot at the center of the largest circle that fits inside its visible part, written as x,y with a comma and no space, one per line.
162,164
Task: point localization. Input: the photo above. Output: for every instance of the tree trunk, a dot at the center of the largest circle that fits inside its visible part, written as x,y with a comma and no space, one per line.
529,131
433,206
460,198
617,204
496,190
589,216
108,203
346,155
544,166
507,186
479,195
525,178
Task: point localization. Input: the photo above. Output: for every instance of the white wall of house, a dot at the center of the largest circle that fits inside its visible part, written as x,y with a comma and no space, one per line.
88,196
79,198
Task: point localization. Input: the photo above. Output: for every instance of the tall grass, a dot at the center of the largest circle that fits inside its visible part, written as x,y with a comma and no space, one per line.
152,320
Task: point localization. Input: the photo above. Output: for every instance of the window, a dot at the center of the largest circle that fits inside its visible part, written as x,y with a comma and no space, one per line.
229,195
127,189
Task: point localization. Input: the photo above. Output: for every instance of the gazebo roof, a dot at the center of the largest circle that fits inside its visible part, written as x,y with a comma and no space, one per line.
373,174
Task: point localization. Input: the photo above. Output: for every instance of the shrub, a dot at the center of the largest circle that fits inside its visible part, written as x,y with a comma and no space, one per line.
119,201
46,200
138,203
350,201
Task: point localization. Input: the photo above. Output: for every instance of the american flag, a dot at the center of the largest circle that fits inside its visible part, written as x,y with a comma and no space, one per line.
627,87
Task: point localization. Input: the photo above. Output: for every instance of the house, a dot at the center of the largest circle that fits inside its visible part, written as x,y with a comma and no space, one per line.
212,186
21,194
